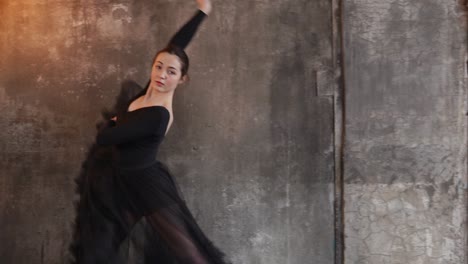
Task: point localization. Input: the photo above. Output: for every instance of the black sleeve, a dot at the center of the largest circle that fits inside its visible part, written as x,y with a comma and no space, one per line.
137,128
185,34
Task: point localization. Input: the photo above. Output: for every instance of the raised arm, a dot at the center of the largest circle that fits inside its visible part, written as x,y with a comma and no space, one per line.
185,34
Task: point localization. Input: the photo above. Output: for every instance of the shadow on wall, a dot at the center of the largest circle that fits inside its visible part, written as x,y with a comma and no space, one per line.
464,4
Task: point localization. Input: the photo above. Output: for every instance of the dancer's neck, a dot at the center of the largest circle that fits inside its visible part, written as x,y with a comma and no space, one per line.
155,97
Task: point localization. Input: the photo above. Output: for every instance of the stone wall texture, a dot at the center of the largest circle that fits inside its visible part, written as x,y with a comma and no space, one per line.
405,166
302,120
252,140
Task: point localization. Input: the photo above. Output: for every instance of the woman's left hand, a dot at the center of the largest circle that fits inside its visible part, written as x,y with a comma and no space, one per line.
114,118
204,5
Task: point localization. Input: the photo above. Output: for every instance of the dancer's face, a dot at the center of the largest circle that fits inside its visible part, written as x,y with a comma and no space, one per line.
166,73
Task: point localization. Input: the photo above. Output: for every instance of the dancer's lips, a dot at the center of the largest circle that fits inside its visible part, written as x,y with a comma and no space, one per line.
159,83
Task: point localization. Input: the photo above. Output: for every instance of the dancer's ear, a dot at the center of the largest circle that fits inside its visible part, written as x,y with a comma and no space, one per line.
183,79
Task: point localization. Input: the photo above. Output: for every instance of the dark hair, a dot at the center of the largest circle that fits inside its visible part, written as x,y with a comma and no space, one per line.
180,53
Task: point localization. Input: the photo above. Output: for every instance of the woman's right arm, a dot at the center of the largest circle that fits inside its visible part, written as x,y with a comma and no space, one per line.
185,34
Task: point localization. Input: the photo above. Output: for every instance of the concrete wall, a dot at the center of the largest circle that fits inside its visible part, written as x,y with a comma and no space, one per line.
252,142
256,127
405,166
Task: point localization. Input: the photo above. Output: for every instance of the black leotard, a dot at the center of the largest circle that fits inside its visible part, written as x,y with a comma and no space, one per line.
137,135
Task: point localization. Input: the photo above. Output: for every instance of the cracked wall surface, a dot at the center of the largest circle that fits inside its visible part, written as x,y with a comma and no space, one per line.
405,165
251,144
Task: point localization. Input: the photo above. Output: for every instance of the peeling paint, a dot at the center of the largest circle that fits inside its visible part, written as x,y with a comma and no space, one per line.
395,223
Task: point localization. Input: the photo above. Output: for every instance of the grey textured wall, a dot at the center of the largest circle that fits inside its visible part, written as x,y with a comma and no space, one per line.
405,163
252,142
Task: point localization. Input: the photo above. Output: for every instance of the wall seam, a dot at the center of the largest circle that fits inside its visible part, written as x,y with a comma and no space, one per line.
339,127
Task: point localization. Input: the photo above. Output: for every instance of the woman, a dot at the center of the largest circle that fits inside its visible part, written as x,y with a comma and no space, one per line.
121,183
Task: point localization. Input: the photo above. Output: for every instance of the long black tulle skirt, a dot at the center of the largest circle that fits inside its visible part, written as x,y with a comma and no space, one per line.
134,215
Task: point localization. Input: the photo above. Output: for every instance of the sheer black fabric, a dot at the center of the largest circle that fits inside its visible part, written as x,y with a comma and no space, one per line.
134,214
